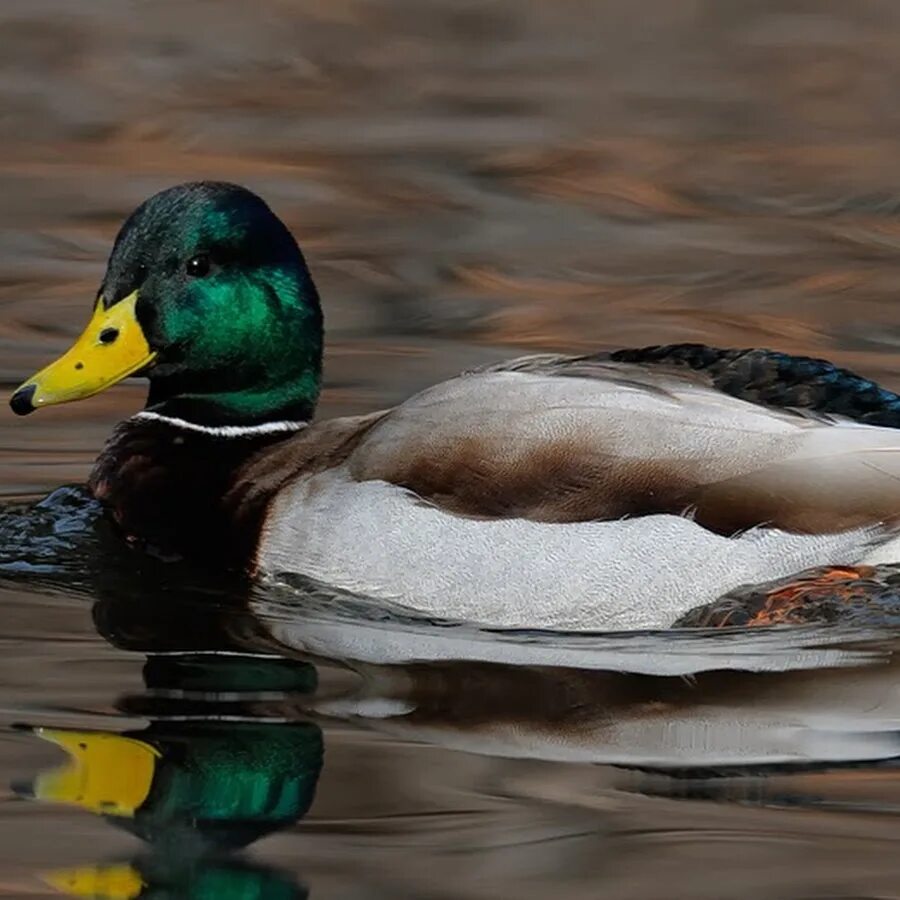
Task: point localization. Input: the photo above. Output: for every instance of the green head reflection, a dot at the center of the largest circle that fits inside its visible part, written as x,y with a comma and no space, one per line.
154,879
199,777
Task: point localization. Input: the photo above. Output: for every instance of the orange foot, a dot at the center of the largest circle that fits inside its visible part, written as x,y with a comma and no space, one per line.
856,594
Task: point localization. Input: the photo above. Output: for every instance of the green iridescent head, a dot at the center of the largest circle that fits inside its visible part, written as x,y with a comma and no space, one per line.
208,295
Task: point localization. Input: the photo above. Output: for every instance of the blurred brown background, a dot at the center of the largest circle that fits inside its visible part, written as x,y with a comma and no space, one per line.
469,180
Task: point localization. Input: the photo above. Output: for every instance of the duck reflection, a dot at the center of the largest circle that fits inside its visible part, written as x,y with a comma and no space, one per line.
700,704
158,877
196,786
236,688
223,761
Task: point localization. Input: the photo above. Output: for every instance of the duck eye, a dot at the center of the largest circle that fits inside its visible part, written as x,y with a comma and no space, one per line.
197,266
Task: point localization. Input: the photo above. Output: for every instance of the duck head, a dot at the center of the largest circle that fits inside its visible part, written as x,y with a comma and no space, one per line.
207,294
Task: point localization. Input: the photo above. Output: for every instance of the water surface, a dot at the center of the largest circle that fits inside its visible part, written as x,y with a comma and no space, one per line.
469,181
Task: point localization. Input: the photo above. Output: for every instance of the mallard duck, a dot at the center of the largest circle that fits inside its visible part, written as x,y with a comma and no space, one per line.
610,491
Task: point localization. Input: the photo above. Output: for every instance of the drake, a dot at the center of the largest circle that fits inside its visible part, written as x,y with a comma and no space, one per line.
610,491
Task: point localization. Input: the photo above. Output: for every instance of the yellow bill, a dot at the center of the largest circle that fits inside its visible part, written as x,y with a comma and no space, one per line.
106,773
111,348
117,881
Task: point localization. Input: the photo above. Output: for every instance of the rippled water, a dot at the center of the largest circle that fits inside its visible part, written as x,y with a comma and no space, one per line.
468,180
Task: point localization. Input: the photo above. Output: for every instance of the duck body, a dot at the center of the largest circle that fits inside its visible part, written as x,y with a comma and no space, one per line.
613,491
617,499
572,493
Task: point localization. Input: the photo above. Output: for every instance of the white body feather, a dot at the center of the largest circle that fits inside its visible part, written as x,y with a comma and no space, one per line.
380,540
374,539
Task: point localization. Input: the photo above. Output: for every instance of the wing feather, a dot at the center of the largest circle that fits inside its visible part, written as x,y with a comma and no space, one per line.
562,440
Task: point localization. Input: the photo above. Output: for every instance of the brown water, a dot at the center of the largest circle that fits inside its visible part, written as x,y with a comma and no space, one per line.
468,181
